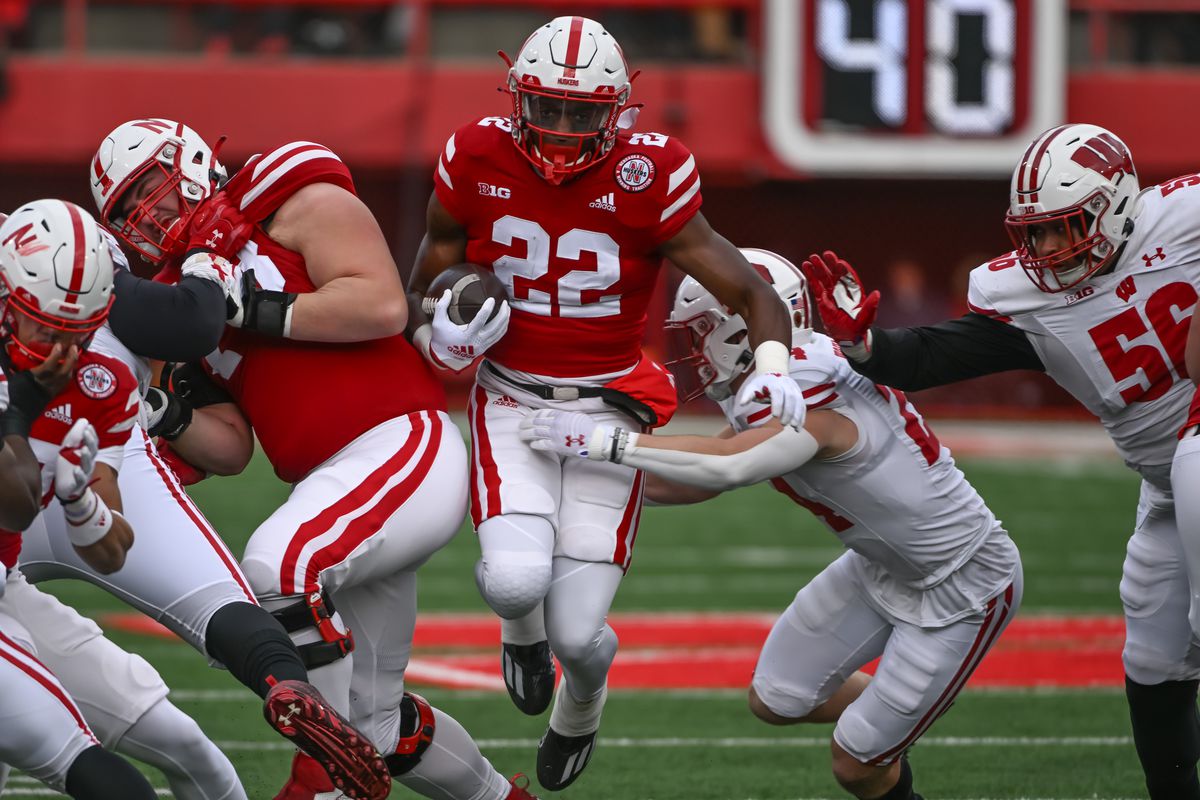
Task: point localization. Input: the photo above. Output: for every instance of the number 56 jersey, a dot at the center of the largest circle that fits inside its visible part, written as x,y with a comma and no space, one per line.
579,260
1116,341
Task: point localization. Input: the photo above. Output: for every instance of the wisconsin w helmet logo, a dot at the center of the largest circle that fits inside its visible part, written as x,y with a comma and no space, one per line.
1106,155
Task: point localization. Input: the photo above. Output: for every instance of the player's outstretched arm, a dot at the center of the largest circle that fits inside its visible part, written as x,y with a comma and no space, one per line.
359,293
712,260
708,462
910,358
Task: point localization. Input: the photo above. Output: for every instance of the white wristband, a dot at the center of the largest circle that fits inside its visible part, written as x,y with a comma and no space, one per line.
287,320
88,519
421,338
772,356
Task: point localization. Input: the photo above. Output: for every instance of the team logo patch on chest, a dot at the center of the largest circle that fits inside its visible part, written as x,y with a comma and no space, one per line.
96,381
634,172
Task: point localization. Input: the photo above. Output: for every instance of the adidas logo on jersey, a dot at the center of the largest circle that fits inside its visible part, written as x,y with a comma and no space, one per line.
606,202
506,402
61,413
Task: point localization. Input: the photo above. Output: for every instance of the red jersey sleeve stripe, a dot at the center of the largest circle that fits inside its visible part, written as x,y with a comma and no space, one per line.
988,312
271,177
680,175
281,154
447,157
672,209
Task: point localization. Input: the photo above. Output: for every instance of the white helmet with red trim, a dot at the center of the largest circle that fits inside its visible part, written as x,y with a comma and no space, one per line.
1077,185
148,176
718,341
56,273
568,85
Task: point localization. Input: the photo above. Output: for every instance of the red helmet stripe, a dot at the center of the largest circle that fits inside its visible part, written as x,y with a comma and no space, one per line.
573,41
1033,166
79,260
105,181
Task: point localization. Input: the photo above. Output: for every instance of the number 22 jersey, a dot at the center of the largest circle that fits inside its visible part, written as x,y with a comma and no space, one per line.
1116,341
579,260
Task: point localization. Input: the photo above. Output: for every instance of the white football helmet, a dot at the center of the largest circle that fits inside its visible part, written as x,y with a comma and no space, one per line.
168,168
56,270
1076,183
718,341
568,85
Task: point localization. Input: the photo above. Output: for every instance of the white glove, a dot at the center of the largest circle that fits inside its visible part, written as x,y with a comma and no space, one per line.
772,384
567,433
457,346
213,268
76,462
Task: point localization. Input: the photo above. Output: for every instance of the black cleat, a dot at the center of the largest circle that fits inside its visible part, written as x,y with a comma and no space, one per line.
528,671
561,759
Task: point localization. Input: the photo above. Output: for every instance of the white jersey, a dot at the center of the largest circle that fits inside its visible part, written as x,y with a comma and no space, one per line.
1116,341
896,498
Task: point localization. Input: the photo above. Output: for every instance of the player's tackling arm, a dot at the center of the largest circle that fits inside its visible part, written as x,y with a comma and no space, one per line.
712,260
359,293
218,440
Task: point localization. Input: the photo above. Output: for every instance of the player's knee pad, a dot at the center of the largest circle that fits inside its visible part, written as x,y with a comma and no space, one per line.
315,611
511,587
1166,734
576,643
417,726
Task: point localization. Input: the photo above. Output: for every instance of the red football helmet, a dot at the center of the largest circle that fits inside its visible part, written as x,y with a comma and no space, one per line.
148,177
1076,188
568,84
56,277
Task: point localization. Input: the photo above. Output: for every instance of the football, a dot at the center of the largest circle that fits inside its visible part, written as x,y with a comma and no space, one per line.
470,286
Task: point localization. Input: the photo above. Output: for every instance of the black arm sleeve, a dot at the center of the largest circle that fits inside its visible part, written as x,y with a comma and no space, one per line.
170,323
954,350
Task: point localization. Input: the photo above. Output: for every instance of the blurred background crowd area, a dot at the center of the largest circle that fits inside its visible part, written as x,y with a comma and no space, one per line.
385,83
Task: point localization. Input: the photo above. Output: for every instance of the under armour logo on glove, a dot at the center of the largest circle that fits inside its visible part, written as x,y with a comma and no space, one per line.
576,441
214,239
763,395
219,226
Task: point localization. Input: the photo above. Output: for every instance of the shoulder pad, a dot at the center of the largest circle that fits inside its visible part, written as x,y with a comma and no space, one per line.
815,366
267,180
1000,289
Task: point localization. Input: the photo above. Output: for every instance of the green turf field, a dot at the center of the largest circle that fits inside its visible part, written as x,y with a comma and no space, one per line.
750,550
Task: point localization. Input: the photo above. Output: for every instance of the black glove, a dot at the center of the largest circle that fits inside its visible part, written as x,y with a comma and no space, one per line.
191,383
259,309
27,399
168,414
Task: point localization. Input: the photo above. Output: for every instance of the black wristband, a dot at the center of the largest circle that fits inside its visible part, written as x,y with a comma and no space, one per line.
269,311
175,419
27,399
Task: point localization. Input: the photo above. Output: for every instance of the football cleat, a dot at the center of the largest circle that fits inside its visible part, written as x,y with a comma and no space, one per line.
561,759
520,791
528,671
299,712
308,781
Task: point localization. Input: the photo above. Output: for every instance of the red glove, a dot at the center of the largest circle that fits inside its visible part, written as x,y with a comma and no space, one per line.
218,227
847,316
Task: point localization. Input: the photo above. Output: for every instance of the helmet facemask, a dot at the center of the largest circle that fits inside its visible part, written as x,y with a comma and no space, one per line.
718,351
29,334
155,226
1086,250
561,133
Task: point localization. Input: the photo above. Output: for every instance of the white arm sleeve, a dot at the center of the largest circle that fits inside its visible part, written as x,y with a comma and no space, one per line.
780,454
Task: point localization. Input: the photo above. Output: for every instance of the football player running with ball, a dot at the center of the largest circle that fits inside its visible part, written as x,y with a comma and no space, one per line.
574,214
314,364
929,580
1098,294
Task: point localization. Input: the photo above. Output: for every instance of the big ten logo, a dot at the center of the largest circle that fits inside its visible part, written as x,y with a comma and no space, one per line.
490,190
1086,291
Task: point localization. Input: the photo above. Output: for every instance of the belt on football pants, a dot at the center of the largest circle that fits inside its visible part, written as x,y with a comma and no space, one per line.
617,399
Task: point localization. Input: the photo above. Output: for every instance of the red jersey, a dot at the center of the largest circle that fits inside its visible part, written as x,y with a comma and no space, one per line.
308,400
580,259
105,392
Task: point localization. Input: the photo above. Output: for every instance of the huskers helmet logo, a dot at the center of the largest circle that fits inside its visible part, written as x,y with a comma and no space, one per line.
634,173
97,381
25,241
